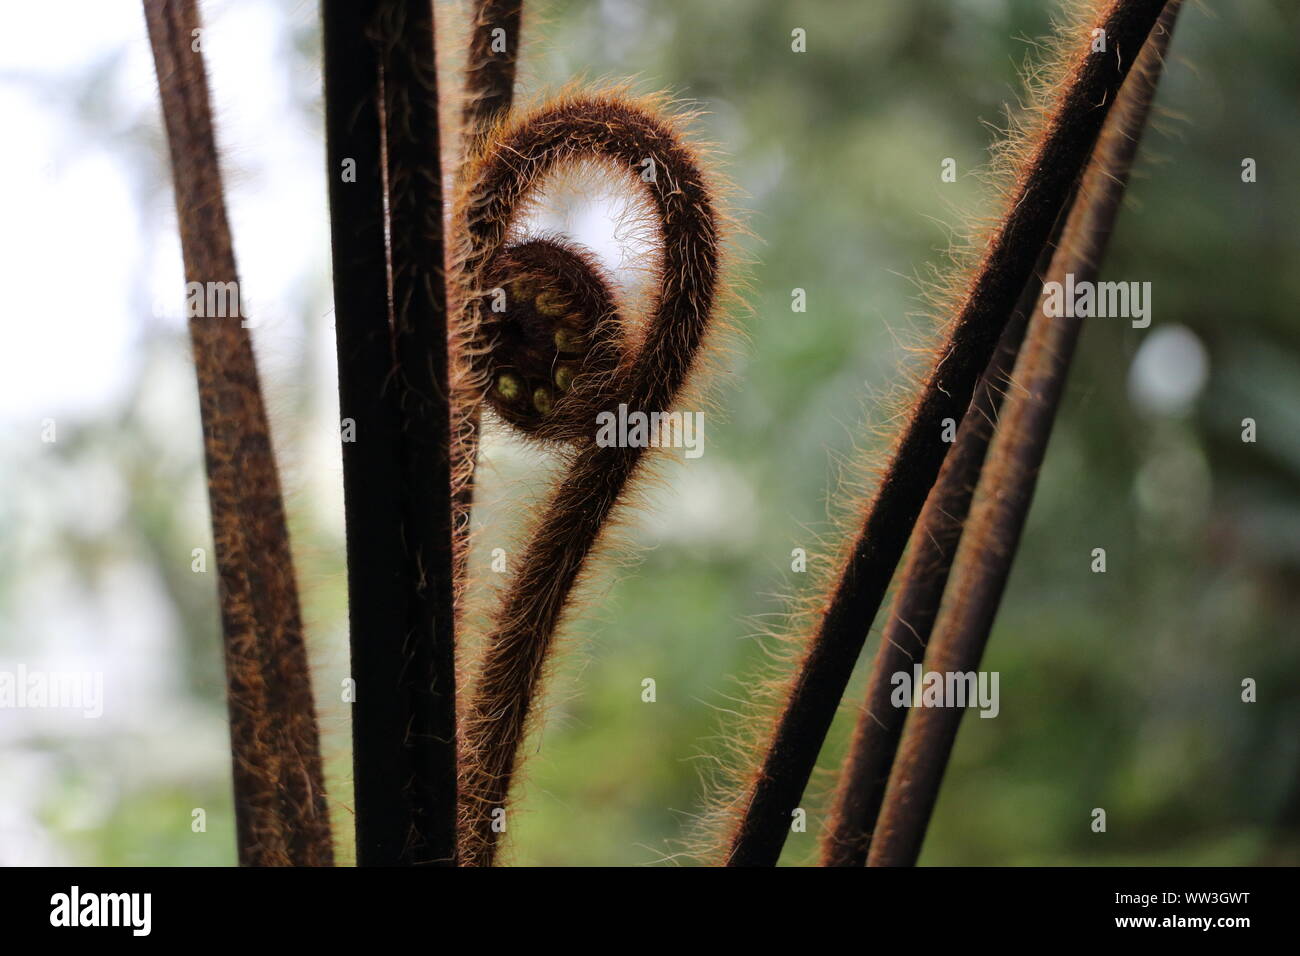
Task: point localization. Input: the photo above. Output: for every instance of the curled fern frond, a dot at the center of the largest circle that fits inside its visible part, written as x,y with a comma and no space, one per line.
555,359
556,341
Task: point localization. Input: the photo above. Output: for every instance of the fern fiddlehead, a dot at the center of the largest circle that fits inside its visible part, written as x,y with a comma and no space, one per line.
556,357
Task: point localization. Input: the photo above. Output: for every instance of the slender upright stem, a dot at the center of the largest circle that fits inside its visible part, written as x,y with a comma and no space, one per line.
383,144
1011,474
428,678
1045,183
281,817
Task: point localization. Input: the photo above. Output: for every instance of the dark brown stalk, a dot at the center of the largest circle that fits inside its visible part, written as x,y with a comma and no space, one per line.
371,481
428,675
382,112
1007,485
925,573
281,817
1043,186
489,91
622,134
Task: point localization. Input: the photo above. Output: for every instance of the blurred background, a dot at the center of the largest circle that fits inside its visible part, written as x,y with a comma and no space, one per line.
1119,690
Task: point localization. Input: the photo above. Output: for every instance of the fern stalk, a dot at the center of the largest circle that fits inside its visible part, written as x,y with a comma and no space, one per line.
929,559
489,91
490,68
381,100
1007,486
1043,185
281,817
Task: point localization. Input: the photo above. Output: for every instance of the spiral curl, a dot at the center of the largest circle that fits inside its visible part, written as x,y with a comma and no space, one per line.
564,316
